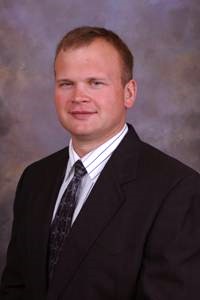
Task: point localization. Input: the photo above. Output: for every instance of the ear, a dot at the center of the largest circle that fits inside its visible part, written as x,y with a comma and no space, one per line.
130,92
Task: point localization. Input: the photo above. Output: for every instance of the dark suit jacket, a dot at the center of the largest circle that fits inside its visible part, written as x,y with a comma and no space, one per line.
137,236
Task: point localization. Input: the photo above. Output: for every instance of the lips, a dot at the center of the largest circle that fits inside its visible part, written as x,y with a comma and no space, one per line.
82,114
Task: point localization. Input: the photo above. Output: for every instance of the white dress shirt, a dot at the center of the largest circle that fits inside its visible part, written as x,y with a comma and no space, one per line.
94,162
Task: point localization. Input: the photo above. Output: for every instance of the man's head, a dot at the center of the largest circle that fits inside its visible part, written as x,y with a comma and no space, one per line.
93,91
83,36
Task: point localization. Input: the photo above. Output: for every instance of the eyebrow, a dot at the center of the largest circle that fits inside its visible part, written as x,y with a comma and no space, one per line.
86,79
63,79
96,78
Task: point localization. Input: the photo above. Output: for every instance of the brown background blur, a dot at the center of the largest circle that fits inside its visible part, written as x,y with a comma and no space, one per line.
165,38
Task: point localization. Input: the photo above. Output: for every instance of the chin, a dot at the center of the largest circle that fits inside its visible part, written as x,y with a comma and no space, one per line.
81,133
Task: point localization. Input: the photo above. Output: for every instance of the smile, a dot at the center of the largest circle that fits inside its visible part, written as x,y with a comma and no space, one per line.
82,115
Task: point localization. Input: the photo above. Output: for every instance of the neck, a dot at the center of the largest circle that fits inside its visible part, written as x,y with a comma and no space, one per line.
84,146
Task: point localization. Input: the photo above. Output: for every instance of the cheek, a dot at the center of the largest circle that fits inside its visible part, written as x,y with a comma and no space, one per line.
60,99
113,104
57,96
58,102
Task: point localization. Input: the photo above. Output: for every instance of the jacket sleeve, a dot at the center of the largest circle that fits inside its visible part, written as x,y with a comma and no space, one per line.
171,265
13,278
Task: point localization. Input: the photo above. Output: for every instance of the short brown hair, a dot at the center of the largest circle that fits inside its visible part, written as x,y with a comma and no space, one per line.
85,35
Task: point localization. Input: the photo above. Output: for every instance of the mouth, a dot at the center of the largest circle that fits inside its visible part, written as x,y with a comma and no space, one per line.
82,115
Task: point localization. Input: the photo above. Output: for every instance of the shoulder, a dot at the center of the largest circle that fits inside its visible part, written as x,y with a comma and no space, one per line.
155,165
157,161
48,164
166,175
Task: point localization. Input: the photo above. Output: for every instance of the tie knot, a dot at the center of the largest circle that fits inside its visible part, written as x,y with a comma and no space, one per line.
80,170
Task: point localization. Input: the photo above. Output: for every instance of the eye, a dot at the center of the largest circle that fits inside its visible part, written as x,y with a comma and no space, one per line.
65,83
96,83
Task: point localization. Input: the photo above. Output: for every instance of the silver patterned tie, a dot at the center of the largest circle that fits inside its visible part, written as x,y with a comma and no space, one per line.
61,225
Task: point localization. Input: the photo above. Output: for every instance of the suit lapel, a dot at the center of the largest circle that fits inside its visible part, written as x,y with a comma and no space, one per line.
104,201
42,210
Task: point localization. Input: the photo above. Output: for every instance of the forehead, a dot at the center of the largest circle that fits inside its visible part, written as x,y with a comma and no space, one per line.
97,52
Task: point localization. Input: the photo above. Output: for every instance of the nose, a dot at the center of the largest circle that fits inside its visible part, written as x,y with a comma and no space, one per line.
80,94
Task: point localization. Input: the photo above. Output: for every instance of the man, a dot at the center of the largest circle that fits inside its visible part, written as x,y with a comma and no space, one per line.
127,226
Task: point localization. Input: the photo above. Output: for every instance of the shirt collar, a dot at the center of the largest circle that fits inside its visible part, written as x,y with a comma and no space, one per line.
94,160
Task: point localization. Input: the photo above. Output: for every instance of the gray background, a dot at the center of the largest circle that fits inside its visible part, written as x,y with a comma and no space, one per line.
165,38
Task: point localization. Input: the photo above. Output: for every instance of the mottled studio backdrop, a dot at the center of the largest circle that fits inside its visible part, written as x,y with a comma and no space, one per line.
165,38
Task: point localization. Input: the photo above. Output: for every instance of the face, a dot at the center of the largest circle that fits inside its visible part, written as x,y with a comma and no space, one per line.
90,98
